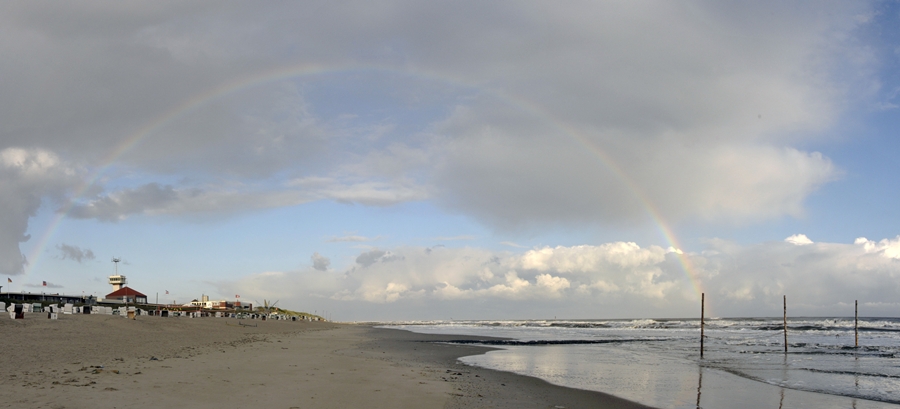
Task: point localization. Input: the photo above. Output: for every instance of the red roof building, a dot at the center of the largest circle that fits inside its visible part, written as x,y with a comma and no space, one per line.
126,294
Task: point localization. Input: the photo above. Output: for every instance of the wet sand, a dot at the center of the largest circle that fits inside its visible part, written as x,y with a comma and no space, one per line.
102,361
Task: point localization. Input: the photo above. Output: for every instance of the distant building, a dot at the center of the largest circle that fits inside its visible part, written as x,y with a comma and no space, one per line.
126,294
219,305
51,298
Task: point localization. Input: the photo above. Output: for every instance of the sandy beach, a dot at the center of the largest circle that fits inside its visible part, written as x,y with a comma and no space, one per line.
101,361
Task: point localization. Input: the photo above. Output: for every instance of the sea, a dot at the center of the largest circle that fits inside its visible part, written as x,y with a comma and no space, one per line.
829,363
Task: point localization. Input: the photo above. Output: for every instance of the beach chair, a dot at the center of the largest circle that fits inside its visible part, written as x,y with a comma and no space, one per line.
68,308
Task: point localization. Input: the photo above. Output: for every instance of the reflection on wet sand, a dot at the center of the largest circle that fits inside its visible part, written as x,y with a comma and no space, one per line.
699,386
667,382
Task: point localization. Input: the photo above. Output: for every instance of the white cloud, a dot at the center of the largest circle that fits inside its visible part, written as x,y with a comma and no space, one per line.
591,258
799,240
617,280
887,247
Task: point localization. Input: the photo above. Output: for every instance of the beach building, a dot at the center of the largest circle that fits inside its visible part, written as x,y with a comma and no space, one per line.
128,295
208,304
49,298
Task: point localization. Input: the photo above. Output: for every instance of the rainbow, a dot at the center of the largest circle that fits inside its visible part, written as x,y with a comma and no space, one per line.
612,165
293,71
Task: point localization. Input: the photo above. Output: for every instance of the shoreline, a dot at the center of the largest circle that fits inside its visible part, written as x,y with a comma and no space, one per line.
103,361
482,387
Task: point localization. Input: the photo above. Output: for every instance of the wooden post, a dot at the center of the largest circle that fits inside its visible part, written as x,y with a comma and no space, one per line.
785,324
702,312
856,322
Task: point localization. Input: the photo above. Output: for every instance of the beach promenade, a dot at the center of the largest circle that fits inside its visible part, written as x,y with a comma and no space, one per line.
102,361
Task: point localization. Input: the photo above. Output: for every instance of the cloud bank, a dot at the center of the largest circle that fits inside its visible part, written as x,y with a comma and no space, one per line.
619,280
529,114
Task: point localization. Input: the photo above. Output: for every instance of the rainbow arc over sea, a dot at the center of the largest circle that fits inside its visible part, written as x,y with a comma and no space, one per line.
298,71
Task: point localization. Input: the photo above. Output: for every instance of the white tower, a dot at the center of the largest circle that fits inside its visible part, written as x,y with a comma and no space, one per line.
117,281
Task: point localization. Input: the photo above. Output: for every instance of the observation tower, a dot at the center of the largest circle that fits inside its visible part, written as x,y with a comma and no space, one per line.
117,282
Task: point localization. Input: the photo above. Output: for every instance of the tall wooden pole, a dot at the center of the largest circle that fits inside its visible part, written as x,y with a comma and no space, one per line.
785,324
702,313
856,322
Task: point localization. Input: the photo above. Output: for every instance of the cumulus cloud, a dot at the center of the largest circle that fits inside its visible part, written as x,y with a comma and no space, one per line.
616,279
889,248
74,253
816,277
27,178
590,258
320,262
798,239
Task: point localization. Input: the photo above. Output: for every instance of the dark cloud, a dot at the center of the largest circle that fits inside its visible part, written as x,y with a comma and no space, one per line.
370,257
74,253
120,204
28,177
320,262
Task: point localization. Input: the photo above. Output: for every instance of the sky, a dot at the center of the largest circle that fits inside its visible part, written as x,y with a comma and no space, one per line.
408,160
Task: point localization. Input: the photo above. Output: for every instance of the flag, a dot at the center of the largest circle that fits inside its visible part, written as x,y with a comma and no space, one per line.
237,296
167,291
45,283
8,280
